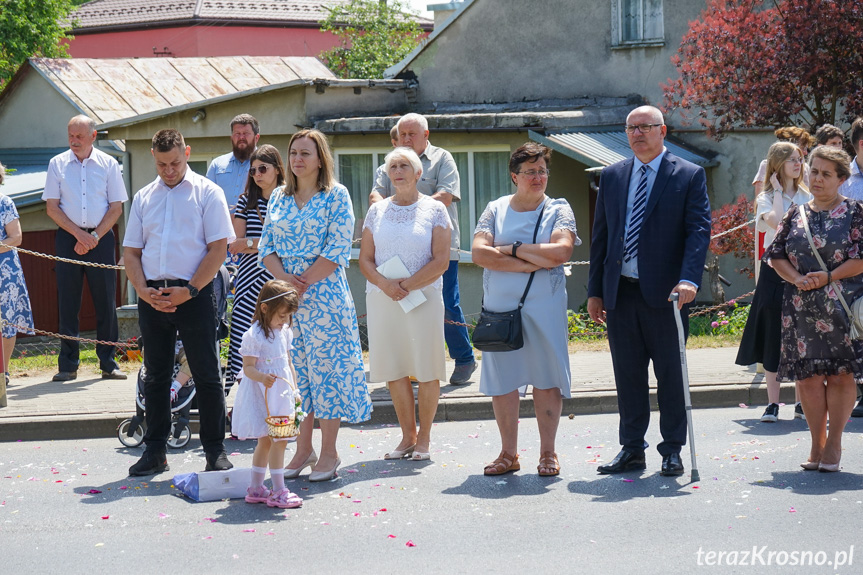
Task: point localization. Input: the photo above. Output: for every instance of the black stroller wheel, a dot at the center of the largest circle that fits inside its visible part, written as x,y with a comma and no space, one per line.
135,439
179,436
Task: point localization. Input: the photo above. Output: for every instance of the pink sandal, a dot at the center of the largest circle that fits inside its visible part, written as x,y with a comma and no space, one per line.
258,494
284,499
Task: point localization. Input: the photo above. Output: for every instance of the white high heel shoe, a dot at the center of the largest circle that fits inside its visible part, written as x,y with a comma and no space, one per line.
310,461
325,475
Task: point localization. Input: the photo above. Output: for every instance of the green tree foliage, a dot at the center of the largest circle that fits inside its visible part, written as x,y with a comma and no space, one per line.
374,35
31,28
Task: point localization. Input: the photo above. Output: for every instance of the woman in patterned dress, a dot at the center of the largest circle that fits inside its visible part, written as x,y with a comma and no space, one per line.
416,229
265,174
817,350
306,242
14,300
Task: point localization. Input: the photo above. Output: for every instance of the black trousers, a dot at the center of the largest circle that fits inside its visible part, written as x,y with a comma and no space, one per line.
637,334
70,286
195,321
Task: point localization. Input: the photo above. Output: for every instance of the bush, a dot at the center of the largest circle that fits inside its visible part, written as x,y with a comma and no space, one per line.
729,322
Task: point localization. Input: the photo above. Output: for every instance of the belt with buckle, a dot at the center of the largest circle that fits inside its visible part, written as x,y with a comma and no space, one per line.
629,279
166,283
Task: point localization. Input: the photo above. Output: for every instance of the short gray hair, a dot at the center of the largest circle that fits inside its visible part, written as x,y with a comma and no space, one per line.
82,119
413,117
655,112
407,154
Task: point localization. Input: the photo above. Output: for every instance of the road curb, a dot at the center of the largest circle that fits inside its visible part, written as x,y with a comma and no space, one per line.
47,427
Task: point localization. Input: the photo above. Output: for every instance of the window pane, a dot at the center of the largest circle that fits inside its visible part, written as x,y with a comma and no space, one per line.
491,180
463,205
199,167
630,18
356,172
653,19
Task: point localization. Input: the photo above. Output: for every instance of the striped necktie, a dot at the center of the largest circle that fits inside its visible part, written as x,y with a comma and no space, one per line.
630,249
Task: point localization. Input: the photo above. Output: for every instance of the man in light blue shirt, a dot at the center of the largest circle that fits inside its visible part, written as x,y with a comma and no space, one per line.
853,186
231,170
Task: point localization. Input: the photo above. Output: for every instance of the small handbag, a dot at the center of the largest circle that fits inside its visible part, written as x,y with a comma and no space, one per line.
501,330
855,310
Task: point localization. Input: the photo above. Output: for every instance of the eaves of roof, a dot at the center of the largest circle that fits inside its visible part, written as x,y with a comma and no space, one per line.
396,69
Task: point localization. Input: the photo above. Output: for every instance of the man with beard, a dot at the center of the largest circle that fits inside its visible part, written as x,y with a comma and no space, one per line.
231,171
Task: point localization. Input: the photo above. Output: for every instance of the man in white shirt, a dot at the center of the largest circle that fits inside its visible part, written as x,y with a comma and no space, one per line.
231,171
178,231
84,192
440,180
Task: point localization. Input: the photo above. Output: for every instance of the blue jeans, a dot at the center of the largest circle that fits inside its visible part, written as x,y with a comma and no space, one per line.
456,336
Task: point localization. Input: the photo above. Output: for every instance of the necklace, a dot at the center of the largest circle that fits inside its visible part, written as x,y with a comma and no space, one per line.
300,202
836,201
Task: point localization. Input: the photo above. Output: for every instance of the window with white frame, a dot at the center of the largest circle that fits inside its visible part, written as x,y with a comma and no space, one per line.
483,172
637,22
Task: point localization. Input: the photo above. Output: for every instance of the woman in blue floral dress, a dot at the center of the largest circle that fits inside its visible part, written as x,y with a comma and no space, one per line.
817,350
306,241
14,300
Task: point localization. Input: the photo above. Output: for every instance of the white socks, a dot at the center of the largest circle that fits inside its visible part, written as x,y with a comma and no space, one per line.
258,474
278,477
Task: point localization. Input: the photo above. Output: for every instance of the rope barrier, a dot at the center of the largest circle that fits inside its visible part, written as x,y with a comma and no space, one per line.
32,330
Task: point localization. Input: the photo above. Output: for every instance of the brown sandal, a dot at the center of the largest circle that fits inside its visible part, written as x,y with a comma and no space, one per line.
548,464
503,464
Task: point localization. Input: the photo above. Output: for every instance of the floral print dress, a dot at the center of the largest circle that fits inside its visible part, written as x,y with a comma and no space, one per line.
14,300
327,354
815,328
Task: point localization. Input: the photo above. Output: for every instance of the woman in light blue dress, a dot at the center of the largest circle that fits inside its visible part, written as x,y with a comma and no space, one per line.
503,245
306,241
14,300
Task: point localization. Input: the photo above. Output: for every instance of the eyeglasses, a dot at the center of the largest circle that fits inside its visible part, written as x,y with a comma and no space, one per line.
535,173
795,160
262,169
643,128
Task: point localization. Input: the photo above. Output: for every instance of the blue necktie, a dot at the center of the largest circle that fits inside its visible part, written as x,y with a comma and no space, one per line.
630,249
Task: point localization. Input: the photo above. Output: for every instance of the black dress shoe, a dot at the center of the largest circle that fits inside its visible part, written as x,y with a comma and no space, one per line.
625,461
671,465
114,374
218,462
151,463
65,376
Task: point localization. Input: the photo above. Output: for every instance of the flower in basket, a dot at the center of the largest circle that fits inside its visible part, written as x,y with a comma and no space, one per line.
299,414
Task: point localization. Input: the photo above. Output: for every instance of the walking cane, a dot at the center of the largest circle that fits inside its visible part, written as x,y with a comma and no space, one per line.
686,398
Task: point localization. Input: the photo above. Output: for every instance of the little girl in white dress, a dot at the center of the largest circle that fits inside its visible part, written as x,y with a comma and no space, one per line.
267,368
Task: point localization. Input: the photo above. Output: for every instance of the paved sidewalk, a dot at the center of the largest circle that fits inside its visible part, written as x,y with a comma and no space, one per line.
91,407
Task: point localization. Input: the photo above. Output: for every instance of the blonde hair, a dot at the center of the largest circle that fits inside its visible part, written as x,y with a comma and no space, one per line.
326,175
777,155
275,296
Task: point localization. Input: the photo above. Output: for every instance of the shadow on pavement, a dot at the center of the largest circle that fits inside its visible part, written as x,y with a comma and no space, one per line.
503,486
813,482
628,486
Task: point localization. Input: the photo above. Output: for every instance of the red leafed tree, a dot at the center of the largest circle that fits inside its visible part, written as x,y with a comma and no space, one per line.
739,243
770,63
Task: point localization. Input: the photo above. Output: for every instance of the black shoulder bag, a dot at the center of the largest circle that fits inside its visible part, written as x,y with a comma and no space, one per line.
501,331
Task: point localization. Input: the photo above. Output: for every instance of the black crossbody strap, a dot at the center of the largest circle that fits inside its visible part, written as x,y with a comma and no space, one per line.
530,281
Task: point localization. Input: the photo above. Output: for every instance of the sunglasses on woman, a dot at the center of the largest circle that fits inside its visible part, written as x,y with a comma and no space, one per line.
262,169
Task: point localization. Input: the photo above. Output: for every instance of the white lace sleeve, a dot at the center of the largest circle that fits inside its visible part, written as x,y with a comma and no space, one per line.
441,217
485,224
372,215
565,220
251,346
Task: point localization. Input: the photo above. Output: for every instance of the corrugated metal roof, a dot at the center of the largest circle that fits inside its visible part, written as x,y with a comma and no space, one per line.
116,89
601,148
25,183
129,13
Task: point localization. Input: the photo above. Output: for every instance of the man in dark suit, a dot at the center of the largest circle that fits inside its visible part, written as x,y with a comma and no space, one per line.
650,236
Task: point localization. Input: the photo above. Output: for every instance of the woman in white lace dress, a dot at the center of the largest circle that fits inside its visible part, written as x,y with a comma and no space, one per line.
414,229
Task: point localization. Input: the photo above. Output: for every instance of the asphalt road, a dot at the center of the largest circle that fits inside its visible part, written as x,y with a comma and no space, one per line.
68,507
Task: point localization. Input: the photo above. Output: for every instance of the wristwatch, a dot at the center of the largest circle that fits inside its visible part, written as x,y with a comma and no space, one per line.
193,291
250,243
95,235
515,246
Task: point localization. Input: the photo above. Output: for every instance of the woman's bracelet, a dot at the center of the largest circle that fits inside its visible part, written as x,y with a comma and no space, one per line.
829,278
